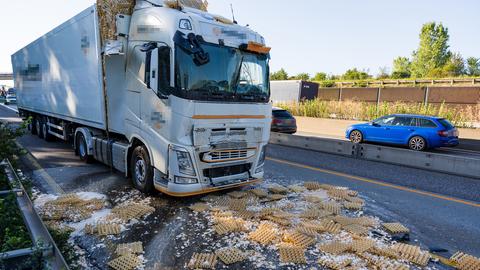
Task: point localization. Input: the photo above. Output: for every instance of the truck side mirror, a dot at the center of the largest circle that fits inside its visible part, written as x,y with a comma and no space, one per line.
154,70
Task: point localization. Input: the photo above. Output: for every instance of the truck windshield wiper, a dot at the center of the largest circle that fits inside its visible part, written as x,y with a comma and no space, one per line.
236,76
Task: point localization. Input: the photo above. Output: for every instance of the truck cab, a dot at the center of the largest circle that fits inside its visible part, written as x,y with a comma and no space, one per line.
197,92
173,96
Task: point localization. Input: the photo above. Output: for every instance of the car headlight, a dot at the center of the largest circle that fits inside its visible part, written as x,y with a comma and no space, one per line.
185,165
261,159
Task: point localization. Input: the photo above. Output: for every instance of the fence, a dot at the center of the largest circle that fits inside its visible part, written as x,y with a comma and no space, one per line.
422,82
427,95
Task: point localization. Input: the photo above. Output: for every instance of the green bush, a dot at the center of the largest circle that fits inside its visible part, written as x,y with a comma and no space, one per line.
8,147
327,83
364,111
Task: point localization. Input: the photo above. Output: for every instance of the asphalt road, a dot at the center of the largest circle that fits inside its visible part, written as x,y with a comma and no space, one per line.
463,150
441,210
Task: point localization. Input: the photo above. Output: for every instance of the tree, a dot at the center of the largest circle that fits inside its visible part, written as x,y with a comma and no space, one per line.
473,66
280,75
433,52
320,76
401,68
355,74
383,73
302,77
455,66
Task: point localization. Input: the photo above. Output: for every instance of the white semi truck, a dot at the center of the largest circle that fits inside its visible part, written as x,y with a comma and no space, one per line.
178,101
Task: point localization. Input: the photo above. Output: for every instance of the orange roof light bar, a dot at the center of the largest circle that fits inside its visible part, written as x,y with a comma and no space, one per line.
257,47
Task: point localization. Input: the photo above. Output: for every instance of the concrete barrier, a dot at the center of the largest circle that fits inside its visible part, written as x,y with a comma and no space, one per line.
463,166
326,145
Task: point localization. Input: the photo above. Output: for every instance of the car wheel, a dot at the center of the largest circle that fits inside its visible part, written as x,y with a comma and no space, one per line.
38,126
82,149
141,170
417,143
356,136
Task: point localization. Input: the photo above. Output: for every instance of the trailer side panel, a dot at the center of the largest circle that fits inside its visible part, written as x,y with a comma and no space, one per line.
60,73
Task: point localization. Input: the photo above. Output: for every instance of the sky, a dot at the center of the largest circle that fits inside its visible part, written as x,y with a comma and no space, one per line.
305,35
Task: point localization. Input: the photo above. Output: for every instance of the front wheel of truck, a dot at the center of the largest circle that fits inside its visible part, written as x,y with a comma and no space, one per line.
141,170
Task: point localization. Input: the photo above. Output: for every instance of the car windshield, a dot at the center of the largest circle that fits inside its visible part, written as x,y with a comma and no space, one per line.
11,92
229,75
281,114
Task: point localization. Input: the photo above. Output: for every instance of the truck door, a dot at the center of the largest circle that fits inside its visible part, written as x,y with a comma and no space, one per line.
136,84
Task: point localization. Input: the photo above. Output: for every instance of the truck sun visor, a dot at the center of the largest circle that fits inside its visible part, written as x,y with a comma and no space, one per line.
191,45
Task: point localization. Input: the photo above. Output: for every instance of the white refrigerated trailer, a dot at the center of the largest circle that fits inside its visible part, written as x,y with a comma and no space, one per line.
178,101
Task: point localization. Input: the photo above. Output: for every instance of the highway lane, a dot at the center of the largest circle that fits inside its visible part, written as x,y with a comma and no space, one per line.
455,151
441,210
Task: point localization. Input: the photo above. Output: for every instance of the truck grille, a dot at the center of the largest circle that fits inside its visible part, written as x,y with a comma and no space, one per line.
227,155
226,171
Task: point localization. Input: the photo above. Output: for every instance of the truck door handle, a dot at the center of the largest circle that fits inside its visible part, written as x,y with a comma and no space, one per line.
411,129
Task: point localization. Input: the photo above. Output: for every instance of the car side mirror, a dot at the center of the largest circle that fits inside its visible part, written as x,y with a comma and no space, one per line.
375,124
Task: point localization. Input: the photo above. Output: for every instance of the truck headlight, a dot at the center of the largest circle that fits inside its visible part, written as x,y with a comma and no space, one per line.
185,165
261,159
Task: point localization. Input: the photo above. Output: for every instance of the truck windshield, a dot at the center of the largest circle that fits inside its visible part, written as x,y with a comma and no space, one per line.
229,75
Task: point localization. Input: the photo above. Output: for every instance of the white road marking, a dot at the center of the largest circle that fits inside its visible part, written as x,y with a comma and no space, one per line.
8,107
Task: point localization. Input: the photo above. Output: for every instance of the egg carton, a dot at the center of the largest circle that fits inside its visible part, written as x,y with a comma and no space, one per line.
199,207
108,229
202,261
292,254
129,248
126,262
412,253
395,228
264,234
334,247
231,255
312,185
299,239
465,261
335,265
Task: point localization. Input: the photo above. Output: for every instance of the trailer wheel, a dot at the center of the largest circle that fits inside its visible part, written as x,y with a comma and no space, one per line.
32,127
38,127
82,149
46,136
141,170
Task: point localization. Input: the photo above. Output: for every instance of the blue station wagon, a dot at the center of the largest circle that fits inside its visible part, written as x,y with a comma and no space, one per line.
418,132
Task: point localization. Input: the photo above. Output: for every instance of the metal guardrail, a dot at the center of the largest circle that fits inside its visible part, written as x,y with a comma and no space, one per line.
463,166
38,231
6,76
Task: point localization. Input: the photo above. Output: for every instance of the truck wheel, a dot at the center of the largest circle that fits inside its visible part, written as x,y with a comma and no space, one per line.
46,136
141,170
82,149
38,127
33,127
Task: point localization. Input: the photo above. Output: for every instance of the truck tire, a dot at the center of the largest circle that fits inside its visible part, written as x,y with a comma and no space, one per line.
32,127
141,170
82,149
38,127
46,136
